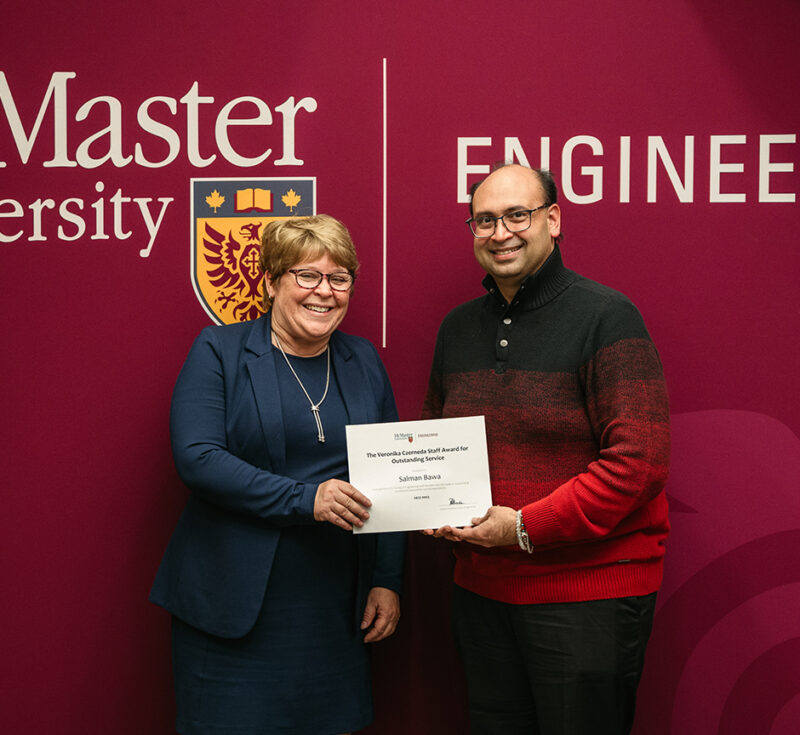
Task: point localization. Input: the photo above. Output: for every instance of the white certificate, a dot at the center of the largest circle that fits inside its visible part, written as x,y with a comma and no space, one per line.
420,474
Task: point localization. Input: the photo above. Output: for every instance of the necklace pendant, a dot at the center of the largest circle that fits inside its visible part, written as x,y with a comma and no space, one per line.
320,432
314,406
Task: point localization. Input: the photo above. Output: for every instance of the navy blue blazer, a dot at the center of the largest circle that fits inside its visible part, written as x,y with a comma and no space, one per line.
229,448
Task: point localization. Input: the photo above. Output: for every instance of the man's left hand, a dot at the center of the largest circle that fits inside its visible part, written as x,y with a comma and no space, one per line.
381,613
497,527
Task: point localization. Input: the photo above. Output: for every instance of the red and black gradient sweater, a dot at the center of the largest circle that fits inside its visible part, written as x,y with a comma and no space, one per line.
577,425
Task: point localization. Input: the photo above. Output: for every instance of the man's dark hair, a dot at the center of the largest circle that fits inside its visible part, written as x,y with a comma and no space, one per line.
544,175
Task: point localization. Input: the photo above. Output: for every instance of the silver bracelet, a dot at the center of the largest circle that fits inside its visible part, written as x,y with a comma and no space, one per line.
522,535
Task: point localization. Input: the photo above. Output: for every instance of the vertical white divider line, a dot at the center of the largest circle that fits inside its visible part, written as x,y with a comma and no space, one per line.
383,340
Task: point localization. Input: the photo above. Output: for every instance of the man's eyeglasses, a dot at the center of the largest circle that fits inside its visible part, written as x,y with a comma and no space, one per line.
520,219
311,279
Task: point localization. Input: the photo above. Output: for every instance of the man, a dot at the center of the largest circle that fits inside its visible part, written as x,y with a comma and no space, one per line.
555,584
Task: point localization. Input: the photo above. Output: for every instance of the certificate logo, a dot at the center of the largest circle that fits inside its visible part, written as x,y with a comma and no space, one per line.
228,217
404,436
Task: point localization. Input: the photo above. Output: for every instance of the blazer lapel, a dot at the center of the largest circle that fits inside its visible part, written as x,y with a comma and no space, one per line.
261,369
351,381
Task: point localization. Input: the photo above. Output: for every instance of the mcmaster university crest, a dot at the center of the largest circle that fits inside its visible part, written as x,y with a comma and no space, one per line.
228,216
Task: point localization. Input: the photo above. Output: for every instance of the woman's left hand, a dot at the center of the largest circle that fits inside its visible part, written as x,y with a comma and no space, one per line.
381,614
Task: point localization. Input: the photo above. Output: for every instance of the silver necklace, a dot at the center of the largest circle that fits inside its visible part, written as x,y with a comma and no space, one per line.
314,406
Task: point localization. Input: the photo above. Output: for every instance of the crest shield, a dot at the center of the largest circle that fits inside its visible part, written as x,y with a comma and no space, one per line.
228,217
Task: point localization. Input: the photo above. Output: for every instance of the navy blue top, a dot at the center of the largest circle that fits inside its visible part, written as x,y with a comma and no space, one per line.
321,554
307,459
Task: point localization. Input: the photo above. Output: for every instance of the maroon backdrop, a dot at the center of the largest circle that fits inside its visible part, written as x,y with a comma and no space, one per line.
672,128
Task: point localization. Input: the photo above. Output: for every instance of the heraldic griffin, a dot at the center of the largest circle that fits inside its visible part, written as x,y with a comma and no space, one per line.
233,269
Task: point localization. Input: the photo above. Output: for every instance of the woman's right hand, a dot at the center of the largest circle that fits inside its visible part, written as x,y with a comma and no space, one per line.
338,502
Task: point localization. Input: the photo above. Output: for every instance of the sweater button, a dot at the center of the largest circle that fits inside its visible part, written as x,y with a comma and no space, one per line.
506,321
504,343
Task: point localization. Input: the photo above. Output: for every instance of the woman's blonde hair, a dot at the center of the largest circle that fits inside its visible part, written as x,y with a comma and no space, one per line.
287,242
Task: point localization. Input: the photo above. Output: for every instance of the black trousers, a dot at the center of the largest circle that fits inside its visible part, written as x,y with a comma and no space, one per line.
552,669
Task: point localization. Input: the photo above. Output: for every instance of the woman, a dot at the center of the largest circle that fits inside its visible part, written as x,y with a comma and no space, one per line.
273,597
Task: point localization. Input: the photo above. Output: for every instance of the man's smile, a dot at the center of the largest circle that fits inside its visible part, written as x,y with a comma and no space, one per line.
505,251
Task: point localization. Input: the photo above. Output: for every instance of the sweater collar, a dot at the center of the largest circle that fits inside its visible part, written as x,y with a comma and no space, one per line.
538,288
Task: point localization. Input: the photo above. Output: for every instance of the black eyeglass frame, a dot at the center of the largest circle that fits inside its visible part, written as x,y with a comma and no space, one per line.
502,217
297,271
